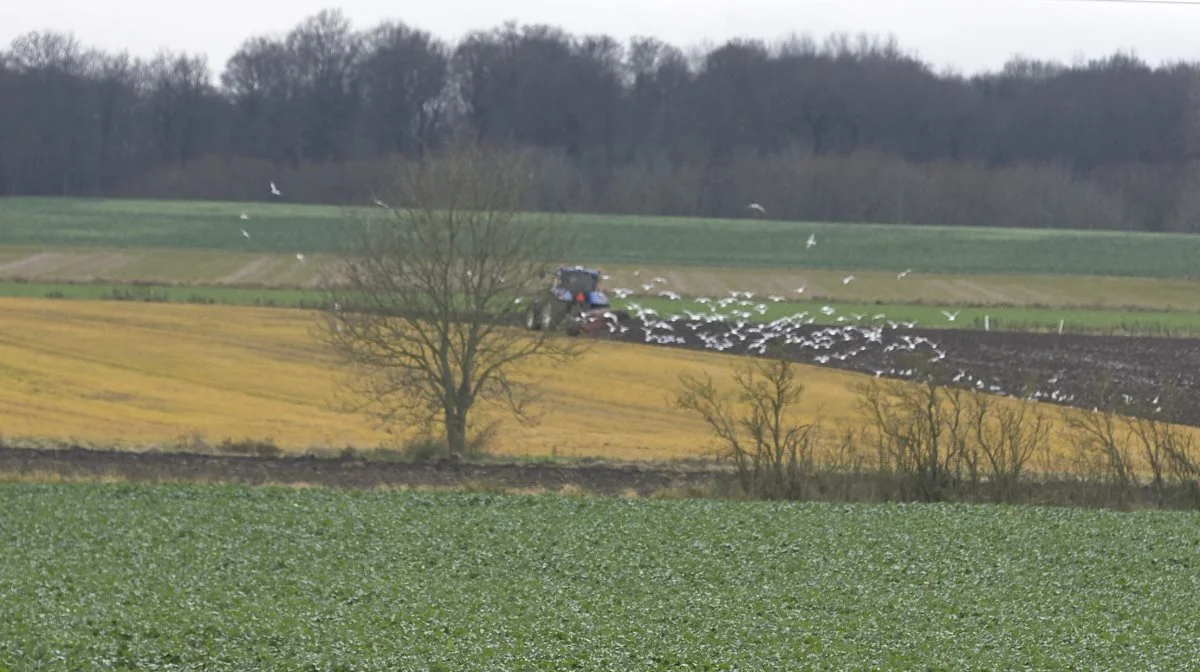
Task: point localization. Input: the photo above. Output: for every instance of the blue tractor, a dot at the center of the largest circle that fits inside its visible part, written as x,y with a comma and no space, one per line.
574,302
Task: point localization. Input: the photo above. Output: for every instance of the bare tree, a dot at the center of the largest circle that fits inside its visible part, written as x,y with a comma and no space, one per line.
179,86
1009,435
421,314
920,431
773,454
324,53
404,73
1167,449
1100,440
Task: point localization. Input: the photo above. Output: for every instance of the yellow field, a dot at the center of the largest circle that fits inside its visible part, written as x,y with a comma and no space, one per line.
144,374
153,374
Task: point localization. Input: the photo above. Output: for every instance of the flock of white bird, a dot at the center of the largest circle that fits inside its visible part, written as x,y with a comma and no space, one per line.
245,217
734,323
865,346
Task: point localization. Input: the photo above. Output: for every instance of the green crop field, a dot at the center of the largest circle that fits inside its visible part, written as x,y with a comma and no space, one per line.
231,578
624,239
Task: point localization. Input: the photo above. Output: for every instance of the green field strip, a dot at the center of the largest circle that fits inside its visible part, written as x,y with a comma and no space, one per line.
288,228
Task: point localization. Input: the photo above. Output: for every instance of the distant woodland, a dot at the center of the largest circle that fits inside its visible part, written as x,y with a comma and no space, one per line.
844,128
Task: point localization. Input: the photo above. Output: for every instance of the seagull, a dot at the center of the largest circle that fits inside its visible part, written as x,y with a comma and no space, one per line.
846,280
812,241
246,234
902,275
757,208
300,257
800,290
669,295
662,280
274,191
951,316
243,216
377,202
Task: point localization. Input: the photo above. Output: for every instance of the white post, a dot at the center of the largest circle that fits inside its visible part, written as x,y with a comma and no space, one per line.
986,324
1060,327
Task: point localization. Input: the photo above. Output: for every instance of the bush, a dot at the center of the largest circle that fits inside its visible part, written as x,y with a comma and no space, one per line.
772,455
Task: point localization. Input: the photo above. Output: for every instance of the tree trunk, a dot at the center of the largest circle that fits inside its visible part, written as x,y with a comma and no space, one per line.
456,433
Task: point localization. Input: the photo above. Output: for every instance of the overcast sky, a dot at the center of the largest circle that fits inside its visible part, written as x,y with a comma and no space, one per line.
967,35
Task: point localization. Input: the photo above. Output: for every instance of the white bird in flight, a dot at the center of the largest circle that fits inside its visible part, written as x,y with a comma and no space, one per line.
800,290
243,216
246,234
757,208
380,203
812,241
951,316
274,191
847,280
300,257
903,274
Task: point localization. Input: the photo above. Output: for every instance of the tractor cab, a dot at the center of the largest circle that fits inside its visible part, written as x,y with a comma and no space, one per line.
579,285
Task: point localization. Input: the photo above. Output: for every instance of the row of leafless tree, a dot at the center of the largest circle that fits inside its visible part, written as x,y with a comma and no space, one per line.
846,129
935,442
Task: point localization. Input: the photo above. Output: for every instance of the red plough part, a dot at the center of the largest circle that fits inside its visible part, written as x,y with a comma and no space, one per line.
594,322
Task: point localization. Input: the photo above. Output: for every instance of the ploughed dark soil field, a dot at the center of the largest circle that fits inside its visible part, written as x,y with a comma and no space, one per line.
1064,369
353,472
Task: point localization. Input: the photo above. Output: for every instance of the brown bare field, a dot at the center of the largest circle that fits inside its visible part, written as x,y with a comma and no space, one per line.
942,289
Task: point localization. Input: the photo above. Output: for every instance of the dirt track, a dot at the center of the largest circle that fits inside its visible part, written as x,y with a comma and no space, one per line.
346,472
1061,368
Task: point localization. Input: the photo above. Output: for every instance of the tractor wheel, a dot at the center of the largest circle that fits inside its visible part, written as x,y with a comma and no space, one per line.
533,320
546,313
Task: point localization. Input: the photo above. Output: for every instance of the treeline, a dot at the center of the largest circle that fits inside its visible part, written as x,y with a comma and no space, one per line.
847,129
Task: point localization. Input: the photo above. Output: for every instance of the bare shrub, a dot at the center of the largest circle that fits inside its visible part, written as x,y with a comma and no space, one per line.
773,455
920,433
1169,450
1100,442
1008,437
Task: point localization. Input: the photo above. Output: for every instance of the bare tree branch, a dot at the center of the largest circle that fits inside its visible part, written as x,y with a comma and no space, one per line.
420,309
